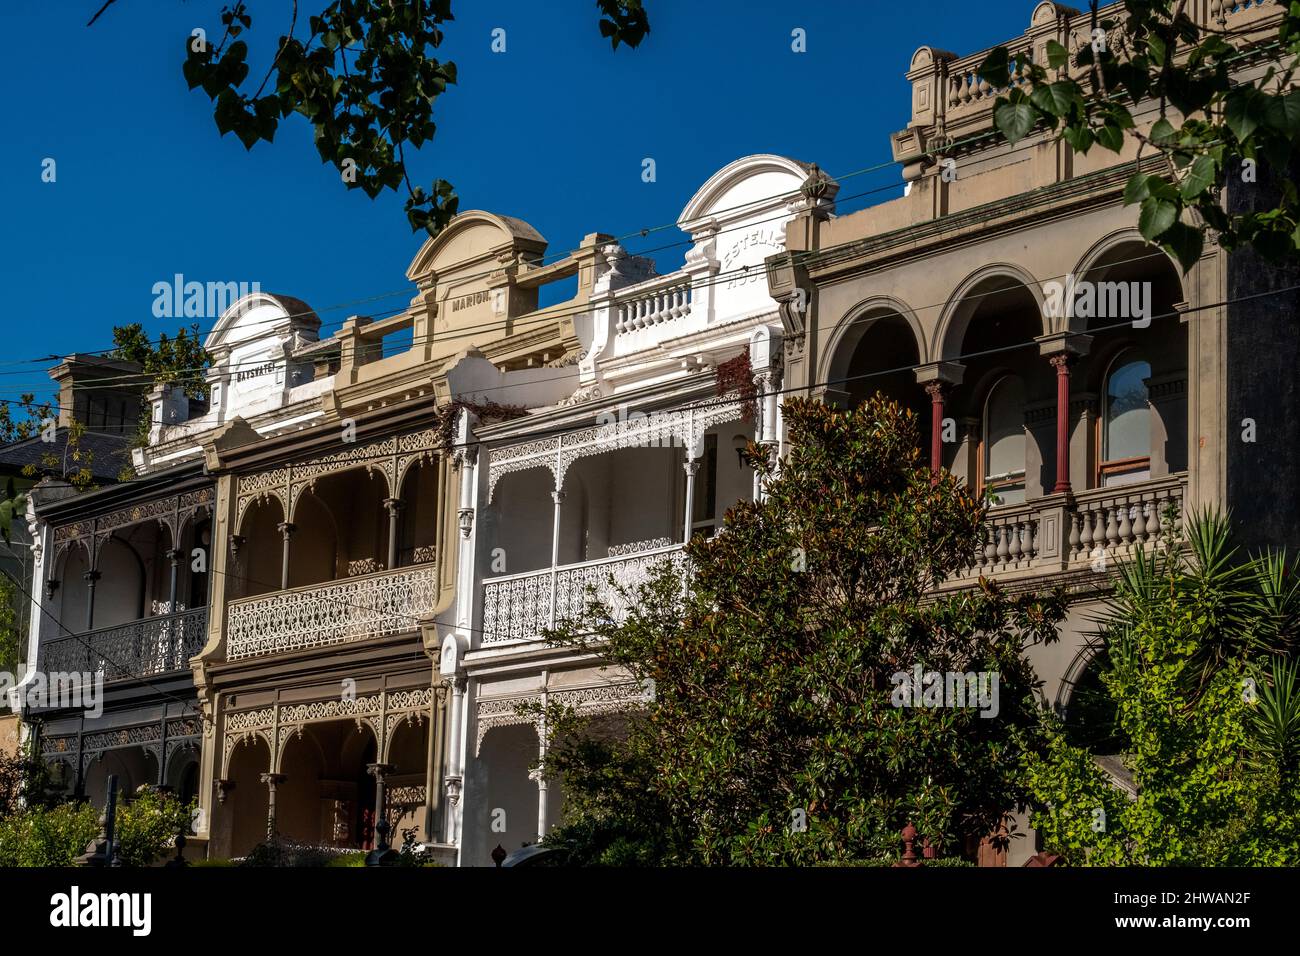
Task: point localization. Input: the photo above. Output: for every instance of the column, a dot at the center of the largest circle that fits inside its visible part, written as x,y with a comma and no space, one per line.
938,379
173,556
1061,349
558,497
937,392
379,771
454,781
272,780
692,468
90,578
287,529
394,507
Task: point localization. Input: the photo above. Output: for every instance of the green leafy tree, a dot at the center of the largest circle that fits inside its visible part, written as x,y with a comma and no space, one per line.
365,77
1208,734
178,360
774,734
1212,124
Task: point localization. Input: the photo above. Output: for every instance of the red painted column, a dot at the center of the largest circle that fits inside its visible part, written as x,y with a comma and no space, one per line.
1062,364
936,392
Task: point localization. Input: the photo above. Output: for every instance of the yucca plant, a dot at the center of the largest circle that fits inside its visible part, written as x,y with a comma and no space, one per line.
1275,722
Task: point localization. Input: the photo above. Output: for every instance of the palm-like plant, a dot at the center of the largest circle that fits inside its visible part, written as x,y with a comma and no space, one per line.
1275,721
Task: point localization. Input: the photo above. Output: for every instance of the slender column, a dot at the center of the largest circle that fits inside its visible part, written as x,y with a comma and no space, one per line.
937,391
692,468
1062,363
394,506
90,577
558,498
379,771
287,529
272,780
174,556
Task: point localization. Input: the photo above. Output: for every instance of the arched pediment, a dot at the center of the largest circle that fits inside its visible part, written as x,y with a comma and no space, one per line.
743,187
473,237
261,315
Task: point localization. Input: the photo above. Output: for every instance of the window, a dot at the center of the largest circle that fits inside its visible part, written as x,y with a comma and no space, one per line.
1126,424
1004,441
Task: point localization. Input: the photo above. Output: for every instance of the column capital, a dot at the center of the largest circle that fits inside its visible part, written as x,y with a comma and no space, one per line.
286,527
1070,344
691,466
272,780
394,504
90,577
940,373
379,770
557,496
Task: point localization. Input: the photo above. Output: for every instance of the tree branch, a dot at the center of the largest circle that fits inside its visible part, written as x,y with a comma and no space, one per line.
107,4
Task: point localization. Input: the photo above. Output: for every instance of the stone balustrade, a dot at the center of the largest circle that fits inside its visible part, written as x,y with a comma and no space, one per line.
653,303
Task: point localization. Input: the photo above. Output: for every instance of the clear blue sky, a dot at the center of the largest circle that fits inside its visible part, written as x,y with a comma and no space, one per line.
552,131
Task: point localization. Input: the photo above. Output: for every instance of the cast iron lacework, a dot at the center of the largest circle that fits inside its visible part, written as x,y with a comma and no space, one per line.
587,701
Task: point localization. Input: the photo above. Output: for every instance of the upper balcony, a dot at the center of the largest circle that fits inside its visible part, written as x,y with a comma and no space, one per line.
335,549
126,588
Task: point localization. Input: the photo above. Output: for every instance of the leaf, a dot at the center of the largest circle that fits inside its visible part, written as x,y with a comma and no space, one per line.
1203,173
1015,120
1137,189
1185,243
1157,216
996,68
1057,55
1111,137
1239,113
1163,132
1055,99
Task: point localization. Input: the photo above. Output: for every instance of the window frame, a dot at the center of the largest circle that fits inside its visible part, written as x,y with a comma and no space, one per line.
1010,480
1108,467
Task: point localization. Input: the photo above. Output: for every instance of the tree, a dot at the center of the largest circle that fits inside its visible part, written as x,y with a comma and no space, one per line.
180,360
1209,728
365,80
1212,125
782,726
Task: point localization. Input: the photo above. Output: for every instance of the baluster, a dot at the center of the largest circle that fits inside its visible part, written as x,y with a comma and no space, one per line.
990,547
1110,535
1014,551
1085,536
1002,549
1031,538
1140,524
1074,533
1125,529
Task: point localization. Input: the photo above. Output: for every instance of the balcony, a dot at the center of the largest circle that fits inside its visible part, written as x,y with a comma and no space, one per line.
1052,534
337,612
144,648
517,607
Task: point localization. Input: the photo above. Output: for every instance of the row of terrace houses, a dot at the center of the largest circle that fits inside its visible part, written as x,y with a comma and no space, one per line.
320,608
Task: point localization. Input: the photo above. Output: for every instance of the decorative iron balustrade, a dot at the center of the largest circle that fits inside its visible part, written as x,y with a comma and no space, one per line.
337,612
517,607
144,648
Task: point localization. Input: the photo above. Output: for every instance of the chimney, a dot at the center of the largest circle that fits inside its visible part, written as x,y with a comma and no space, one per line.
104,394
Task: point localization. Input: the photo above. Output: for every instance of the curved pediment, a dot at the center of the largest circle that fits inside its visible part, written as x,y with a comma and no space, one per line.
743,188
472,238
262,315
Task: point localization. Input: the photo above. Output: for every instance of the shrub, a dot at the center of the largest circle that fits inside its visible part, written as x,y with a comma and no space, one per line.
147,826
47,837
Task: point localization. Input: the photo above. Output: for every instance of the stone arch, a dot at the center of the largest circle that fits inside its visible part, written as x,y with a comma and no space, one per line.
849,332
970,294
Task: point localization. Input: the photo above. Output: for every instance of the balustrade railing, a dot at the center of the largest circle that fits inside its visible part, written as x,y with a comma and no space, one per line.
663,301
518,606
1096,526
337,612
143,648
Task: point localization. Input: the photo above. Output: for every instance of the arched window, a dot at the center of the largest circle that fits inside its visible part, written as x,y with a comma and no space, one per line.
1004,441
1126,423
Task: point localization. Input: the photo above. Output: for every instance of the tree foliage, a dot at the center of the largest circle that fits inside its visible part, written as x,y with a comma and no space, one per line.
773,735
176,360
364,77
1212,124
1210,729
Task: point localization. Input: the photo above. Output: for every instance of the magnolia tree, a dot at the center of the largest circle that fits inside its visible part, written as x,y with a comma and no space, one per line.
787,723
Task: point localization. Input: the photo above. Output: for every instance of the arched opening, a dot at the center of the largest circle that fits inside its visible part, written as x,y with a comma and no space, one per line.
1125,422
258,563
508,815
314,546
877,353
247,802
341,528
405,796
419,518
133,766
1003,449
